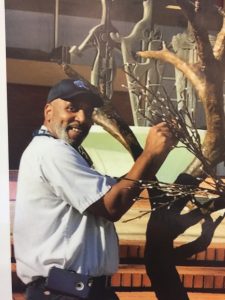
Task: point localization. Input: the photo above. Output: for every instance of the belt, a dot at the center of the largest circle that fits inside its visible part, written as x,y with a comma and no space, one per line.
99,285
98,281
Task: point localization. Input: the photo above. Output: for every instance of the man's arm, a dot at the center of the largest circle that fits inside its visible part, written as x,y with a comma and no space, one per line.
121,196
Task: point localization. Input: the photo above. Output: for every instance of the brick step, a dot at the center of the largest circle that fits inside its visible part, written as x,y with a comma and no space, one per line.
193,278
151,296
147,295
132,251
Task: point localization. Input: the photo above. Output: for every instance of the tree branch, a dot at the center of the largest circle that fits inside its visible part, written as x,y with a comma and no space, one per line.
195,18
219,47
190,71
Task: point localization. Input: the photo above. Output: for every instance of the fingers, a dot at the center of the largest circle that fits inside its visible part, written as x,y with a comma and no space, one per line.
160,140
162,128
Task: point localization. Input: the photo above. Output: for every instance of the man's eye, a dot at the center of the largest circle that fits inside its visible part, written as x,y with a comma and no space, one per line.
71,109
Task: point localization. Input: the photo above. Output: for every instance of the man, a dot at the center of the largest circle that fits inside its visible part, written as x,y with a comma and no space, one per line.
65,209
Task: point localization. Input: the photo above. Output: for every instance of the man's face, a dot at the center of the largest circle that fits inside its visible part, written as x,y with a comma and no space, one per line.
70,121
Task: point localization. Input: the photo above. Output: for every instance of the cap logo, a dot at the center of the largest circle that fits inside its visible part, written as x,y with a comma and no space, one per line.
80,84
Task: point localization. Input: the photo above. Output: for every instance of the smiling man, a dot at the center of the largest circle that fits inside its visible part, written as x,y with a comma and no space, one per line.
65,241
61,108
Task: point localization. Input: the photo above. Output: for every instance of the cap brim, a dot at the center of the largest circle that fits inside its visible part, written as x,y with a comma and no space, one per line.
95,98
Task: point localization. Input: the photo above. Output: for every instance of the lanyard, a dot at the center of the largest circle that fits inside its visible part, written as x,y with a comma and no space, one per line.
80,149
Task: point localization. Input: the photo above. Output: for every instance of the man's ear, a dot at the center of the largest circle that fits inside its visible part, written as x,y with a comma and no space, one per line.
48,111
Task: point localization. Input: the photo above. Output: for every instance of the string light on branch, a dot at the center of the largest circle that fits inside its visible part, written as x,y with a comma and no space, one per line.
165,195
159,107
197,6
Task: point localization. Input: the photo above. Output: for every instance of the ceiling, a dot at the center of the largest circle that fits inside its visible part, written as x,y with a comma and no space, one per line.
130,11
125,10
121,10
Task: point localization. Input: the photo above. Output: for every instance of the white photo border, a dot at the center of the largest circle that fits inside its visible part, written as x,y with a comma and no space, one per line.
5,262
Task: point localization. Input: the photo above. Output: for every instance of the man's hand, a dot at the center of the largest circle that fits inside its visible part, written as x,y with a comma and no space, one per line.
159,141
120,197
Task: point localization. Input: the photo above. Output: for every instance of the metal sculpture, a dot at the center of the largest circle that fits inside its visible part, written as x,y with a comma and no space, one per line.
99,37
150,71
185,47
105,39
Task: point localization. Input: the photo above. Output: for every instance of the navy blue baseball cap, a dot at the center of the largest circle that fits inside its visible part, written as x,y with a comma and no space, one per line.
71,89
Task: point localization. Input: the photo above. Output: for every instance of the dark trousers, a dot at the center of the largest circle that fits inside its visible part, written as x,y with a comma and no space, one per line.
37,291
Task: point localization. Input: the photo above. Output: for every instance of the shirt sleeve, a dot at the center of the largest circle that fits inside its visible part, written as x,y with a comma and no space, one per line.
71,178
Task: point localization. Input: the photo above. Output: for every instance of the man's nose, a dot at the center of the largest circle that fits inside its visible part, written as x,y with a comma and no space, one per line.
80,116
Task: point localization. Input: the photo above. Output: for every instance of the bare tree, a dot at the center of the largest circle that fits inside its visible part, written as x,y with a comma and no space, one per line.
206,76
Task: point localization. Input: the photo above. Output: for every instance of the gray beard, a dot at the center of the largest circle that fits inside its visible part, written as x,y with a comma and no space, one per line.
63,135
